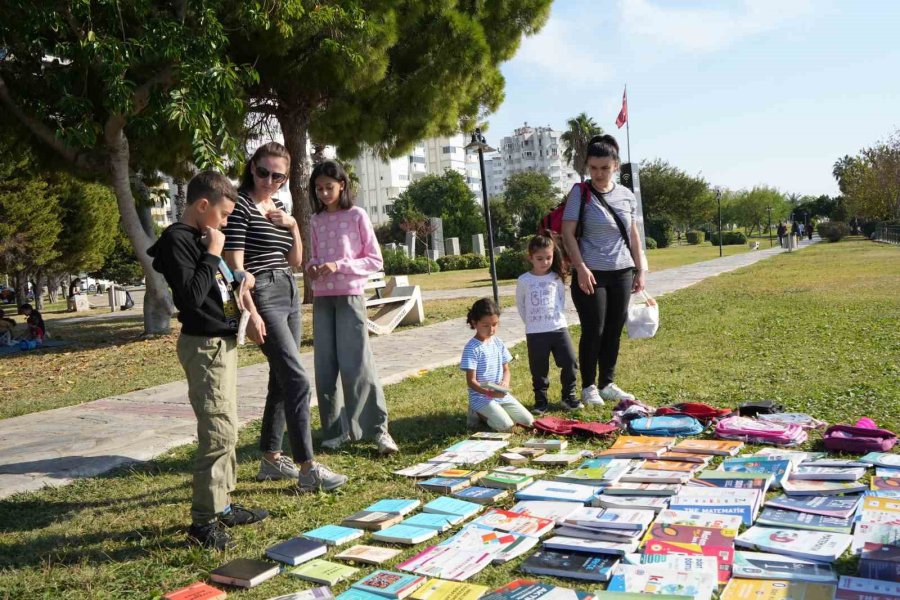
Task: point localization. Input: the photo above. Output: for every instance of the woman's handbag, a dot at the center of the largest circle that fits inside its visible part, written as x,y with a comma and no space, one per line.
643,318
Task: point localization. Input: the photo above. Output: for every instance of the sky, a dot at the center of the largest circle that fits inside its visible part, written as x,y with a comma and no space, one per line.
741,92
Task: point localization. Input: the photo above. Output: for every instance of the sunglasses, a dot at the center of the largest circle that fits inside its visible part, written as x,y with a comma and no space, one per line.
264,173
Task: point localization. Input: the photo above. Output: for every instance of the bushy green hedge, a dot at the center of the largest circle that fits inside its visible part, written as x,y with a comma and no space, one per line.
661,230
833,231
729,238
463,261
651,243
511,263
396,262
695,237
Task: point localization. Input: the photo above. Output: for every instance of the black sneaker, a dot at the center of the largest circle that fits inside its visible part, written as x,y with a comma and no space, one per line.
571,404
241,515
211,535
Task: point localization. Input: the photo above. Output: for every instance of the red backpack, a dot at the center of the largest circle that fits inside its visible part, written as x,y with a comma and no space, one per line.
551,224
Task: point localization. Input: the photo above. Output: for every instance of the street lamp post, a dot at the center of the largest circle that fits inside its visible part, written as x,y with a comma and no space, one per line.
769,209
479,143
719,201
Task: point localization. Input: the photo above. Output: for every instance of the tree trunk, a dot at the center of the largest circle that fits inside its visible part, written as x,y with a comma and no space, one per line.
53,288
294,126
21,284
38,291
180,198
158,306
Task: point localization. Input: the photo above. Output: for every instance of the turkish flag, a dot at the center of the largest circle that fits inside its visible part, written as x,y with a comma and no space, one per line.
623,114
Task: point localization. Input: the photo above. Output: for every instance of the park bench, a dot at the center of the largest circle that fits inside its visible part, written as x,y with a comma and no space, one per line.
397,303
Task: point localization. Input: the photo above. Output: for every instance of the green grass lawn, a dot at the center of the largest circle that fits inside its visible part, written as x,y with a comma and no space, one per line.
678,256
815,330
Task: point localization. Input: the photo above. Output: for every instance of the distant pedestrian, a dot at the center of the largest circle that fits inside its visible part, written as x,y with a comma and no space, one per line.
809,230
782,231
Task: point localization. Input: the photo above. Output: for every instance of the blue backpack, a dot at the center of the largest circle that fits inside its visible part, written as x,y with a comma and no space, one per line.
666,426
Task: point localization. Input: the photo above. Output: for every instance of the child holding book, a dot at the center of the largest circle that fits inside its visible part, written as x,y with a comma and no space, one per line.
485,360
344,253
189,255
541,301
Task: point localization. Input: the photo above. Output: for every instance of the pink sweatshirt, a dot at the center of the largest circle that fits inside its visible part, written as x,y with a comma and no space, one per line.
347,239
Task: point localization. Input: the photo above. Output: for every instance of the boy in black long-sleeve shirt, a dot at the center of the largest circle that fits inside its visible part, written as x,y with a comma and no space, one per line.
188,254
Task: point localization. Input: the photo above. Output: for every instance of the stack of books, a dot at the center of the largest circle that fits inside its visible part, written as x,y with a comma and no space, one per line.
877,523
697,534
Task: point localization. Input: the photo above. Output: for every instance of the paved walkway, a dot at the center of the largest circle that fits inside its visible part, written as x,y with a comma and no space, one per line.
56,446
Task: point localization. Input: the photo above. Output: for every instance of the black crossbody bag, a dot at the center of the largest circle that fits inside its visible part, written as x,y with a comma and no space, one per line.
587,186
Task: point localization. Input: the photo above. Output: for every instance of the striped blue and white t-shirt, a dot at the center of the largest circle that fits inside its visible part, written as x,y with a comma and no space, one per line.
602,246
265,245
486,359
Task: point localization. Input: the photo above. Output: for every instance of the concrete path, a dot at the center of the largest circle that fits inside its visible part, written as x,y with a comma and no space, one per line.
56,446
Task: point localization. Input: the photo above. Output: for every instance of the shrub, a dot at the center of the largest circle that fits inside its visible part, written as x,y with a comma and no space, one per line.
421,265
661,230
695,237
462,261
396,262
729,238
476,261
511,263
651,243
833,231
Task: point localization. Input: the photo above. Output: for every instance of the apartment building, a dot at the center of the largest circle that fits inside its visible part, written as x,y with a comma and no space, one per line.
529,149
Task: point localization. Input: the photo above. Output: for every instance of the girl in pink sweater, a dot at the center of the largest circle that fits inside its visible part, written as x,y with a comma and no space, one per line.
344,253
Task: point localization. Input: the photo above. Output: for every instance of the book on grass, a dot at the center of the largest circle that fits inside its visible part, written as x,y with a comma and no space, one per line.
196,591
586,476
371,521
490,435
441,589
558,458
439,523
444,485
833,463
670,465
489,446
766,478
742,502
880,561
841,507
424,470
513,522
623,488
458,510
653,476
654,503
794,487
655,578
514,458
457,473
354,594
557,490
723,555
502,546
574,544
633,446
885,483
323,571
874,533
528,589
603,595
810,545
710,447
857,588
453,563
777,517
481,495
520,471
371,555
464,457
880,510
394,505
545,444
698,519
528,451
592,533
611,518
334,535
569,565
691,457
317,593
776,589
390,584
762,565
887,472
881,459
244,572
828,473
296,550
404,534
706,565
778,468
505,481
555,510
795,456
688,534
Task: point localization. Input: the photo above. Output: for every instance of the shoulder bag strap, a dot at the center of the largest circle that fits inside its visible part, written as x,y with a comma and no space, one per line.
614,214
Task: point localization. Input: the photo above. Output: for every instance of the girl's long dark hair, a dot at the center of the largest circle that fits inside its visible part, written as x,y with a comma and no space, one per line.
541,242
486,307
268,149
334,170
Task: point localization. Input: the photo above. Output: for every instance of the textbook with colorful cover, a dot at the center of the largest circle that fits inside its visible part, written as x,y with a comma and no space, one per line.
828,473
654,503
776,517
513,522
881,459
880,561
424,470
698,519
555,510
196,591
558,490
686,534
354,594
453,563
317,593
710,447
371,521
857,588
334,535
404,534
623,488
569,565
706,565
654,476
655,578
439,523
520,471
323,571
458,510
634,446
794,487
244,572
505,481
528,452
501,545
544,444
776,589
874,533
296,550
457,473
586,476
444,485
724,555
481,495
441,589
390,584
779,469
762,565
558,458
809,545
841,507
372,555
490,435
721,501
399,506
885,483
670,465
612,518
574,544
528,589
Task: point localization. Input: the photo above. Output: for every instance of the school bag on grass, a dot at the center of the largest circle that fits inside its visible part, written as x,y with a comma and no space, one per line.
759,407
754,431
666,426
558,426
698,410
865,436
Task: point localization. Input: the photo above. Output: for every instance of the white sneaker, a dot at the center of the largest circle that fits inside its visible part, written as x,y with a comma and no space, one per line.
335,443
386,444
590,396
614,393
320,477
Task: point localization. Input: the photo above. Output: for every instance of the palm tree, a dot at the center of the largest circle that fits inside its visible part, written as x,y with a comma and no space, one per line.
841,166
580,131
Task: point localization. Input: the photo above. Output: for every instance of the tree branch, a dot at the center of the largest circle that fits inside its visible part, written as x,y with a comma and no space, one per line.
142,93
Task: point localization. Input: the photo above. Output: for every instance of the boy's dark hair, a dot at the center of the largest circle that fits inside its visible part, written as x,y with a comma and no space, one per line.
211,185
24,307
541,242
602,146
334,170
486,307
269,149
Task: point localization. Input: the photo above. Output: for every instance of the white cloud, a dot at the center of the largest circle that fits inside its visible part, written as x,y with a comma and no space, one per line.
561,52
707,29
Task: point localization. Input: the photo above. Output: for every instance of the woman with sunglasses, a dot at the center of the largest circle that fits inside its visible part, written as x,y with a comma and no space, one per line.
263,243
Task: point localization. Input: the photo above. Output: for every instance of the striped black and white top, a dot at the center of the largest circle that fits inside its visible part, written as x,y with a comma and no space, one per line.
265,246
602,246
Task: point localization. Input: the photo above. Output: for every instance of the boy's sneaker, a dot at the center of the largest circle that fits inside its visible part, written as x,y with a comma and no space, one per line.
386,444
614,393
210,536
280,468
335,443
235,514
591,396
572,404
320,477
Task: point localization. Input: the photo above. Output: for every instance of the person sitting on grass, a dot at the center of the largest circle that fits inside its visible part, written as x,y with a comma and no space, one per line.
189,255
35,321
485,360
6,329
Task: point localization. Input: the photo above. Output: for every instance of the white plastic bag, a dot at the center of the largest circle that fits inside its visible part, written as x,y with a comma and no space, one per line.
643,317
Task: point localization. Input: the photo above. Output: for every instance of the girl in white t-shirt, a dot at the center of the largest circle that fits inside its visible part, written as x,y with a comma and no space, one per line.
541,300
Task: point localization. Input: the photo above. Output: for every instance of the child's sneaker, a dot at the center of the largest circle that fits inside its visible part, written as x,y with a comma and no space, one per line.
235,514
280,468
320,477
590,396
210,536
335,443
539,411
386,444
614,393
571,404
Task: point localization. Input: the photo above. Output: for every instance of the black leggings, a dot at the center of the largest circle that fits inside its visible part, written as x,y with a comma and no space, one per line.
602,316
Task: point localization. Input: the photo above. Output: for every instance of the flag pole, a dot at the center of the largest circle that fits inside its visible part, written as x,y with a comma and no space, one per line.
628,127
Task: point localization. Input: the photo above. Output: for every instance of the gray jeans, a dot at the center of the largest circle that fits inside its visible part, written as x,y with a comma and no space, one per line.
341,347
287,402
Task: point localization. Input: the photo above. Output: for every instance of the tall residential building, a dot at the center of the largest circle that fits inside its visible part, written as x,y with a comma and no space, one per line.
442,153
529,149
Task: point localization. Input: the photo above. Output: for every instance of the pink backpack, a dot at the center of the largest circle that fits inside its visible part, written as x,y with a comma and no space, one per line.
754,431
850,438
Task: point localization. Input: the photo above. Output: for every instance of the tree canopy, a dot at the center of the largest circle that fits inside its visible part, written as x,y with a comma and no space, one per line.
529,196
668,192
870,181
